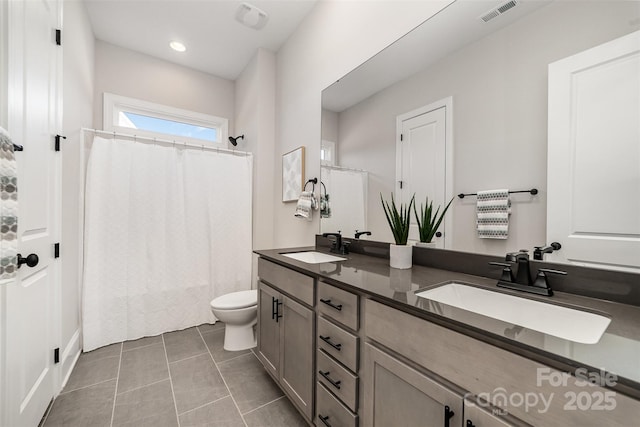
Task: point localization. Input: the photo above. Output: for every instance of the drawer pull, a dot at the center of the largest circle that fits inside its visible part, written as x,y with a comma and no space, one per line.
470,424
324,420
330,304
448,414
332,344
333,382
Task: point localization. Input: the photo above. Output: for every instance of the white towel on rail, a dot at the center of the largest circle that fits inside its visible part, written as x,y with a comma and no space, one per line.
493,209
305,206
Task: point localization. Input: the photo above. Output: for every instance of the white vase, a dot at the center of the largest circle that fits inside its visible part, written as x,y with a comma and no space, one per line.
426,245
400,256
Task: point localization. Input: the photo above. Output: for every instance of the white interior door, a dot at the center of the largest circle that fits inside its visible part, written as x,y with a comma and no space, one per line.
594,156
422,158
29,318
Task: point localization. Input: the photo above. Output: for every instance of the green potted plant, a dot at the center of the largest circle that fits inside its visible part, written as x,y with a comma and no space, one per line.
399,220
428,222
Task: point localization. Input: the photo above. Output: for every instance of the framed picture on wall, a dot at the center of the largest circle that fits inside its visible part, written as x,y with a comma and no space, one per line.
292,174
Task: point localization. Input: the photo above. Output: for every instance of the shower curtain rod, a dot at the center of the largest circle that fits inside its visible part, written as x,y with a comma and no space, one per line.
167,141
343,168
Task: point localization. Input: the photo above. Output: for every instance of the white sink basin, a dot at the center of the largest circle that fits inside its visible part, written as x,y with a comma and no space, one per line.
562,322
311,257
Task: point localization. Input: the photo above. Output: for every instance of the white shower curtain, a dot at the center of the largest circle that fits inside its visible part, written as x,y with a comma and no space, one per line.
167,229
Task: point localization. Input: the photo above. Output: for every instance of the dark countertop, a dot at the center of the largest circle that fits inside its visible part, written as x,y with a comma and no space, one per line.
617,352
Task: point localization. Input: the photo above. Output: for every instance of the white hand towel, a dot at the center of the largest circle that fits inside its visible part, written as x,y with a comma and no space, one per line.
8,209
493,209
304,209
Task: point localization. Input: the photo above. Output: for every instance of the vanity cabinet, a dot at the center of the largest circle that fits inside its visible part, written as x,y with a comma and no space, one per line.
475,416
286,332
338,356
397,394
480,368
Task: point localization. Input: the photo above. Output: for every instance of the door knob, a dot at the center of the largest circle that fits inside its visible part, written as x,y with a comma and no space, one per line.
31,260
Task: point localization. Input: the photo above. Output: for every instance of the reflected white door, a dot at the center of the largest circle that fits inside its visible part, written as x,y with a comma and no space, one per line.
421,161
28,315
594,156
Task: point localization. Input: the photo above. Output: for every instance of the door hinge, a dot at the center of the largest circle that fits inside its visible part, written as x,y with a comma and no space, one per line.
401,184
56,250
57,147
401,137
58,37
56,355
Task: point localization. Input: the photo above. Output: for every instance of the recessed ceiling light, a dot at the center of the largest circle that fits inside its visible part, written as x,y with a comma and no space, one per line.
177,46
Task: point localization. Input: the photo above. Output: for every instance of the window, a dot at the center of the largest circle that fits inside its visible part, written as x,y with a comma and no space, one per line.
122,114
328,153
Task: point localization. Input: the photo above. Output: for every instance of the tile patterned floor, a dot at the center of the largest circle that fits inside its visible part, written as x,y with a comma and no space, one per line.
178,379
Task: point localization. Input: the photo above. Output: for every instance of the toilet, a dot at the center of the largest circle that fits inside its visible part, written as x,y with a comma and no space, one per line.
239,312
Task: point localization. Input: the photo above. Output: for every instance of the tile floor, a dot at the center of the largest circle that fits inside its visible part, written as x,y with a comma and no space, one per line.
182,379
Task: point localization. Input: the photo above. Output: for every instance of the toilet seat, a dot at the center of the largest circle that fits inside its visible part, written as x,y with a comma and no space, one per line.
236,300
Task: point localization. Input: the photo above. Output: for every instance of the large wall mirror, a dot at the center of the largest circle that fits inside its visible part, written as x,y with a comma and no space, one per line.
476,76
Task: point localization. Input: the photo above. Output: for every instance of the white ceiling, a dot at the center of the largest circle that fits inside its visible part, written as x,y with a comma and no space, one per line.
216,43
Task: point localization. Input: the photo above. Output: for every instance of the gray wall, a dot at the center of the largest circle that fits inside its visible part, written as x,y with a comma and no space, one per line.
331,41
125,72
78,78
499,89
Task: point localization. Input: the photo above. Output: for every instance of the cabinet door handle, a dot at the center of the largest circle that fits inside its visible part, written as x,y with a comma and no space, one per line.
448,413
333,382
324,420
470,424
330,304
273,308
331,343
278,304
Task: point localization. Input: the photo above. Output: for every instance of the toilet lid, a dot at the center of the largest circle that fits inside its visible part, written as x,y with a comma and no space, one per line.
233,300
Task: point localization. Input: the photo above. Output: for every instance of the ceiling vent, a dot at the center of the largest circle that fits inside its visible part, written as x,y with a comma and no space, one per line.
251,16
499,10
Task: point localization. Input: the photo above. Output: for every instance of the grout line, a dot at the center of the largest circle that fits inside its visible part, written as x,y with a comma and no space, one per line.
87,386
187,358
173,394
223,380
262,406
142,346
146,385
207,404
115,392
233,358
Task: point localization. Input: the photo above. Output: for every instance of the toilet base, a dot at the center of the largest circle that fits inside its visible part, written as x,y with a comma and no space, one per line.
239,337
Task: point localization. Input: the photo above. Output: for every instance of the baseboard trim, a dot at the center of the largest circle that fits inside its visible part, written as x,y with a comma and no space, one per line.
69,358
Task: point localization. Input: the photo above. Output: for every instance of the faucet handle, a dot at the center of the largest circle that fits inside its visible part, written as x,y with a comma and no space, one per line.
549,270
507,273
541,278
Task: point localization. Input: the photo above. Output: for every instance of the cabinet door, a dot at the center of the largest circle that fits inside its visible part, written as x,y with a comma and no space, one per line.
269,328
476,416
296,351
395,394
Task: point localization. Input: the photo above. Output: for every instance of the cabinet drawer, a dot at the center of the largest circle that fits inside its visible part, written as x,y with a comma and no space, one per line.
337,342
338,304
289,281
337,379
332,413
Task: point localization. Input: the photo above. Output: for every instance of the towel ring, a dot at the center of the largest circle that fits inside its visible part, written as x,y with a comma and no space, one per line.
313,181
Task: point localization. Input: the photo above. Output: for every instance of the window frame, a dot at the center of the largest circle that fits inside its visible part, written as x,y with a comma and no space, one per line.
113,105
